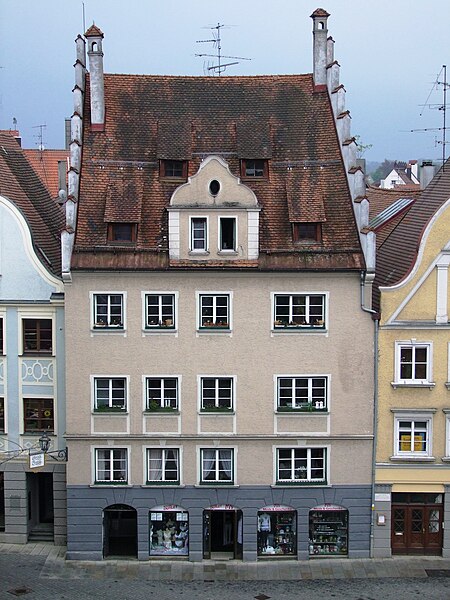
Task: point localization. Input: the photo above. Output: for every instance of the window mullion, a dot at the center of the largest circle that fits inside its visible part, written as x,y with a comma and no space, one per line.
291,309
216,393
293,394
310,395
308,464
307,315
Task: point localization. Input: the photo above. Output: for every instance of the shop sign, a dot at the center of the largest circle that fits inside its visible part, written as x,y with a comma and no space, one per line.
323,507
222,507
37,460
276,508
168,507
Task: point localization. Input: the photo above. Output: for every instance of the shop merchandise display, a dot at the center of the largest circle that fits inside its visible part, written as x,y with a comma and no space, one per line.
328,532
277,533
169,533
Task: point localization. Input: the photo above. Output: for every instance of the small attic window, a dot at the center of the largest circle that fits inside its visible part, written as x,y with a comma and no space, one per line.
173,169
122,232
255,168
306,232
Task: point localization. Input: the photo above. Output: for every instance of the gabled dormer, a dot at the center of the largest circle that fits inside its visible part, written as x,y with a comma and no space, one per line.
213,217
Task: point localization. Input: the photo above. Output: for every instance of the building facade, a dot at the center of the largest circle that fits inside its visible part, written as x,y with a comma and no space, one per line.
216,279
412,471
32,371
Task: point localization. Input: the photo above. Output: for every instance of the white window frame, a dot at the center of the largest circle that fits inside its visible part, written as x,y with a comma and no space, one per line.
39,315
216,408
216,481
159,327
205,249
308,480
277,325
413,417
109,327
3,326
162,481
311,405
413,343
221,250
111,449
162,378
447,435
213,328
110,408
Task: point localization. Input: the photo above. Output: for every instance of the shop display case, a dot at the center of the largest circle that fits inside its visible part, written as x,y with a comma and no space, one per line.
277,535
328,532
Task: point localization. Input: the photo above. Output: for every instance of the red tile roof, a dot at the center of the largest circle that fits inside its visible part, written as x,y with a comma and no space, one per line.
20,184
45,163
277,117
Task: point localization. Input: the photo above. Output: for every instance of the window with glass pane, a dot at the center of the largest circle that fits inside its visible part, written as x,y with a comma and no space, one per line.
160,311
37,335
199,234
214,310
304,393
163,465
38,414
254,168
162,393
108,310
414,363
1,336
217,393
173,168
301,465
122,232
227,233
412,436
111,465
299,310
217,466
110,393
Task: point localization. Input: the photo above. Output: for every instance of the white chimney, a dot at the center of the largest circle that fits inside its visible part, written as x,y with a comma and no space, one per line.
426,173
320,47
94,40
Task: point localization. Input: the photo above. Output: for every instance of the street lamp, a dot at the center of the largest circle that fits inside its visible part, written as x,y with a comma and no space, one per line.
44,442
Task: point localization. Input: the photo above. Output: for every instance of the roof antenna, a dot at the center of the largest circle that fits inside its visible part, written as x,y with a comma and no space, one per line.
84,18
440,106
40,136
219,68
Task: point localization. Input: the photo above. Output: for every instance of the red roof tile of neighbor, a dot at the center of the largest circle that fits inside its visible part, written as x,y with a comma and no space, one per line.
274,117
93,31
20,184
45,163
399,240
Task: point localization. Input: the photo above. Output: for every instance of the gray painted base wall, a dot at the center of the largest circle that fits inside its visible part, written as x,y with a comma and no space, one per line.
85,507
17,523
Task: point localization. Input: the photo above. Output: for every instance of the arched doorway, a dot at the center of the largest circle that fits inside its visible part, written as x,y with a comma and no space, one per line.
119,531
222,532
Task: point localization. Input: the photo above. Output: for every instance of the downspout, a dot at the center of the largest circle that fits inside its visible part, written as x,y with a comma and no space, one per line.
375,407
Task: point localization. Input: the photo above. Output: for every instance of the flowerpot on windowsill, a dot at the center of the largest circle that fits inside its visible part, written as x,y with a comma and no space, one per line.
100,324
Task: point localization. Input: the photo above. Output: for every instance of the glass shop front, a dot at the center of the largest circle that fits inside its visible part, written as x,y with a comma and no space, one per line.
277,531
169,531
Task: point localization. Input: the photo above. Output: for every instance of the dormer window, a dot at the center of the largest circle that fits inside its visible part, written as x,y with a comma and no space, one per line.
122,232
307,232
254,168
199,234
227,240
173,169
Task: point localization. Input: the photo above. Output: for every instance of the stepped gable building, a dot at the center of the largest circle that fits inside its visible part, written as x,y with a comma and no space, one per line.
218,284
413,453
32,385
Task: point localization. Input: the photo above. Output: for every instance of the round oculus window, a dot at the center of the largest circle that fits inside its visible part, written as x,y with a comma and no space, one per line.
214,187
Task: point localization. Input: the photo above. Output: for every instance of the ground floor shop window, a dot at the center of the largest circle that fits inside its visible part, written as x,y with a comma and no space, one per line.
328,530
277,531
169,531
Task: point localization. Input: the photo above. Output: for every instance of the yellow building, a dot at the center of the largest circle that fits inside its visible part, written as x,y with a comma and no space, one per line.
412,470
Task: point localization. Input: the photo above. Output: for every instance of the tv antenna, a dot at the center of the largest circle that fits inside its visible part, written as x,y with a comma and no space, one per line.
441,80
40,135
220,67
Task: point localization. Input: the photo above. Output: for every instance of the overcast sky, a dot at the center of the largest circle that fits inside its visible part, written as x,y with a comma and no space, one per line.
390,52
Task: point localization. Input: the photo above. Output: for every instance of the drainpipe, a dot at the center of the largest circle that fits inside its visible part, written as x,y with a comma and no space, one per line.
375,406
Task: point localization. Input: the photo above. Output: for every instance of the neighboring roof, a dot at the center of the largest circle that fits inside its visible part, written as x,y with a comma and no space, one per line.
94,31
20,184
45,163
279,117
399,240
389,213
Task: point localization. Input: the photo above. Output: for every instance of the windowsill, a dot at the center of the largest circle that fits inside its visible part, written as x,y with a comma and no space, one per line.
47,353
412,458
447,385
161,411
198,252
288,330
110,485
38,432
227,252
302,411
162,484
300,484
214,331
111,412
445,459
216,411
168,179
428,384
215,484
108,331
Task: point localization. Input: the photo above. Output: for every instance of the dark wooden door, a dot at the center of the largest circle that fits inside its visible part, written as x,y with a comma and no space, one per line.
416,529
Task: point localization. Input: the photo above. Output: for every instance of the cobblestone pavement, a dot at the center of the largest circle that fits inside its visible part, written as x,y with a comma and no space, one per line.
39,571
